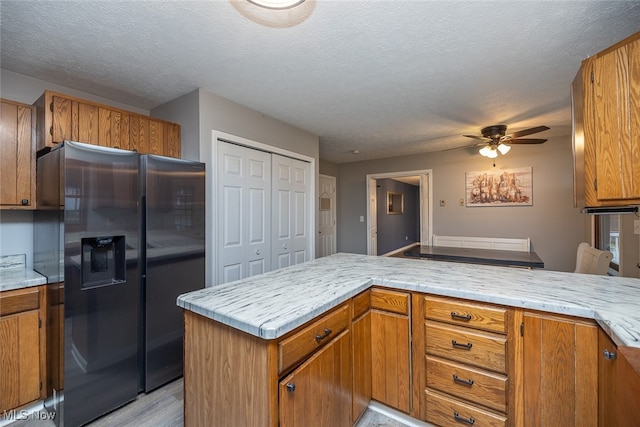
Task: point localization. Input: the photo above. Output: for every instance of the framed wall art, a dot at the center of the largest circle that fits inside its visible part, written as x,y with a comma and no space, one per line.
507,187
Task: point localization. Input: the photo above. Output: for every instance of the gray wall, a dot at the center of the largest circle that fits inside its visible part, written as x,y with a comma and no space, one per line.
328,168
554,225
397,231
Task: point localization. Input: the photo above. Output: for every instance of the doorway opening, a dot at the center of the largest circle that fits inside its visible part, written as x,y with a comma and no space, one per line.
422,181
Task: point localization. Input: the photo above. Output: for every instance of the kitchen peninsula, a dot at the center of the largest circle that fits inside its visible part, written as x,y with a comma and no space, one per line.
251,346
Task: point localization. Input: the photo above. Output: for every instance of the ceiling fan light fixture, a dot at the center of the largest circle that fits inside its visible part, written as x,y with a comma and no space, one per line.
488,151
504,148
276,4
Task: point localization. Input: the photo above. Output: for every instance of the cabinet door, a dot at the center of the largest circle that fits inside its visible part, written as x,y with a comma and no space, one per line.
19,359
390,350
627,386
146,136
361,333
172,140
560,371
318,393
102,126
607,368
617,148
16,155
61,119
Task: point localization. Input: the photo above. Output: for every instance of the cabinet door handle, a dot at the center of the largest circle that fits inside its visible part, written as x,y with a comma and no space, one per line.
291,387
609,355
327,332
459,380
457,417
24,202
457,316
466,346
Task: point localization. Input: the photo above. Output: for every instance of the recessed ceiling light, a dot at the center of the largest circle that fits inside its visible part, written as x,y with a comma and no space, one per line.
276,4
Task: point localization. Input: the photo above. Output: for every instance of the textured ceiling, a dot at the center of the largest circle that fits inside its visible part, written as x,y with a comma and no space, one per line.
386,78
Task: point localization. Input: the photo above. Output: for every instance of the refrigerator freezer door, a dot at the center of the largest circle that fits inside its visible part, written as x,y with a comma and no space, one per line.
101,280
174,204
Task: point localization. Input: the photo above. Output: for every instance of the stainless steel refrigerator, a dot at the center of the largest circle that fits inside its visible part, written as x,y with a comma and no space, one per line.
125,234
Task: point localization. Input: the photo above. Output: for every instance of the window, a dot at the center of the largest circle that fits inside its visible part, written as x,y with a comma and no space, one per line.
608,237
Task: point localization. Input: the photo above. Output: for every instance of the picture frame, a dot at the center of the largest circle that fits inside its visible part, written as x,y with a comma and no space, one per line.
506,187
395,203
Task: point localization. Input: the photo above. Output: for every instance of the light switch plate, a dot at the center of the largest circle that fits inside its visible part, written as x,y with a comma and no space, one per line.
442,203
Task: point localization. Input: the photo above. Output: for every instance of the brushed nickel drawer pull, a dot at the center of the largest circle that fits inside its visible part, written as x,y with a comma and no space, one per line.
327,332
459,380
457,316
609,355
466,346
457,417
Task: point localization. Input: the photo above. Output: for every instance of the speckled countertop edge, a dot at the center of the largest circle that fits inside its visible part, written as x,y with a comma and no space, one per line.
272,304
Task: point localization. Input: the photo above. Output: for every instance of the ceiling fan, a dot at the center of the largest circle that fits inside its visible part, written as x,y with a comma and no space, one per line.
495,139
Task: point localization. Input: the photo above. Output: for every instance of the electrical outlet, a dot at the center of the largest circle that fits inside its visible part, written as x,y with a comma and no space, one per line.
442,203
461,202
636,226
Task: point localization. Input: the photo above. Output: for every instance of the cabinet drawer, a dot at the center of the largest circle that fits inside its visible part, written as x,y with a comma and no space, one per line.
361,303
298,346
395,302
482,387
472,315
19,300
466,345
449,412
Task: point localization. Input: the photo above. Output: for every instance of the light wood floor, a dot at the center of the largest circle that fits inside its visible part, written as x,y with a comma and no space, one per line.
163,408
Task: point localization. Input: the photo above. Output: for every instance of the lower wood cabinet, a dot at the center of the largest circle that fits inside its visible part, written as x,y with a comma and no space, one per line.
361,356
447,361
469,360
560,370
618,383
318,392
391,348
22,356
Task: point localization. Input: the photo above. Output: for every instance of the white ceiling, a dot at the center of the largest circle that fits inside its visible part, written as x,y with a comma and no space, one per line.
386,77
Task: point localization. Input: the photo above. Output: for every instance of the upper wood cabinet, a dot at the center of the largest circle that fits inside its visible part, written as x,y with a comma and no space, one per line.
17,156
606,112
61,117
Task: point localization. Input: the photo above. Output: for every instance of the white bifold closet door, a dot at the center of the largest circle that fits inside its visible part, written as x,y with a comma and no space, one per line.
244,212
263,212
291,216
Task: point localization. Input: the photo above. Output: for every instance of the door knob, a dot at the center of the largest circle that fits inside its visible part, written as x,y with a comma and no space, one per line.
257,251
284,246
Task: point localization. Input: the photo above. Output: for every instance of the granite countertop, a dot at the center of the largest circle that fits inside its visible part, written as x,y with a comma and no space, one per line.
14,273
274,303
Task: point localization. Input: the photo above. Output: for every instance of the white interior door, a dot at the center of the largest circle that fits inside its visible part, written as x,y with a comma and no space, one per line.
244,212
327,216
291,195
373,218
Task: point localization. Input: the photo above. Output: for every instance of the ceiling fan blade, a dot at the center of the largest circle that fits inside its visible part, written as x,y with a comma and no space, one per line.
481,138
524,132
525,141
464,146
